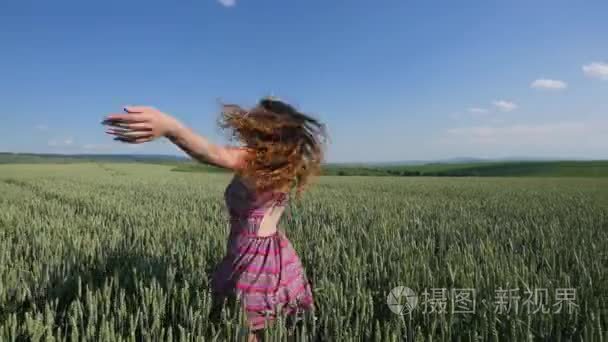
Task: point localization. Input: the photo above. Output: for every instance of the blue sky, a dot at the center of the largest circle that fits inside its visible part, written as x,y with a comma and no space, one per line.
393,80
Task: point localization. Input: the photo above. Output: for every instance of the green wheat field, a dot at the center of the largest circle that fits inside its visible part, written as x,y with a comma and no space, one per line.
123,252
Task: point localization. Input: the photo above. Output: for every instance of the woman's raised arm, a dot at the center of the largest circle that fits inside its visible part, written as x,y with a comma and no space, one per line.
143,124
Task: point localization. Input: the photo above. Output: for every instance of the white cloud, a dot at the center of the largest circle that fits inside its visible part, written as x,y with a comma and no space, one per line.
61,142
596,70
227,3
476,110
484,113
555,135
505,106
543,83
41,127
97,147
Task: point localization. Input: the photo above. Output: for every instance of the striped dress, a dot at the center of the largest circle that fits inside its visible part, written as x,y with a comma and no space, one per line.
263,272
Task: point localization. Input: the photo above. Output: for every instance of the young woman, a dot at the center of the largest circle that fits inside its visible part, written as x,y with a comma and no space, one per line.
281,149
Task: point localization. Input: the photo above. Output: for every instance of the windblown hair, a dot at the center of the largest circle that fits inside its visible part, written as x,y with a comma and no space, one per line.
287,146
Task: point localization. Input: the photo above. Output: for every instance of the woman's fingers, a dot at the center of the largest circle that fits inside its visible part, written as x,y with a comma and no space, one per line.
137,109
130,117
126,127
142,126
129,134
135,126
134,141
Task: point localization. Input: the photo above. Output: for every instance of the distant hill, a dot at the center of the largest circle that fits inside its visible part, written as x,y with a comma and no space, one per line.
454,167
481,169
459,160
7,157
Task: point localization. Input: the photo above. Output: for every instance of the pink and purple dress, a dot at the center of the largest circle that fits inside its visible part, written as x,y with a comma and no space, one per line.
263,272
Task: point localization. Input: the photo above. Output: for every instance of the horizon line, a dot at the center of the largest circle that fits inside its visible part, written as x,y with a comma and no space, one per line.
448,159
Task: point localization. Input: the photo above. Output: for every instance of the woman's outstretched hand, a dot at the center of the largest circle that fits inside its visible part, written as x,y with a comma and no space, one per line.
140,124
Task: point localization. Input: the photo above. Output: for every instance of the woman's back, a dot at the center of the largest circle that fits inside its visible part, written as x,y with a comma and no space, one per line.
251,213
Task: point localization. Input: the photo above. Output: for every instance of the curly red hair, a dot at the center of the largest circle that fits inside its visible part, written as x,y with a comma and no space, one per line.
287,146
